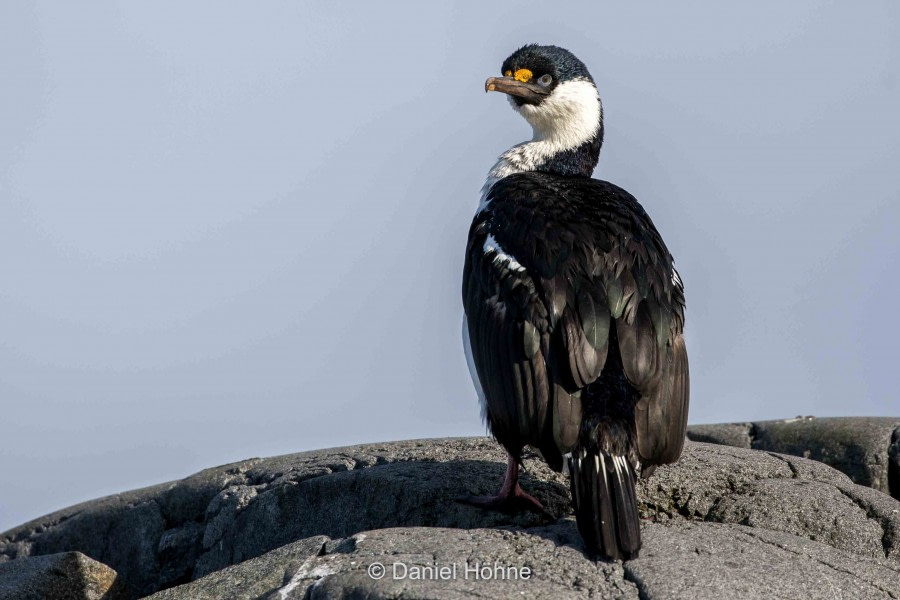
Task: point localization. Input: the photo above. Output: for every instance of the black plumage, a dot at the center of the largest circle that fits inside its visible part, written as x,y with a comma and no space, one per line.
575,317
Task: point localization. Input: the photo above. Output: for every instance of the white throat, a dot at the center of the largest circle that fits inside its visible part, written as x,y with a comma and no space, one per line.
568,118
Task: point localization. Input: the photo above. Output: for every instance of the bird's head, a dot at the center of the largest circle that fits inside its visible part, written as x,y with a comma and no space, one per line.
555,93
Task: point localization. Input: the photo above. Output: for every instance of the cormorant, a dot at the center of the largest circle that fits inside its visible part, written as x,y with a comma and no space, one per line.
574,310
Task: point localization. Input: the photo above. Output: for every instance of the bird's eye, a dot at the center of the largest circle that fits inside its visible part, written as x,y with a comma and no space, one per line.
545,80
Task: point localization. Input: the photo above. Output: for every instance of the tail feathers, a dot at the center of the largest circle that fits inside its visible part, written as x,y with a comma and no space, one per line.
605,503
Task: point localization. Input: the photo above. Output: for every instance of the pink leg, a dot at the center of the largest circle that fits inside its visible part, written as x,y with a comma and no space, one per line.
511,497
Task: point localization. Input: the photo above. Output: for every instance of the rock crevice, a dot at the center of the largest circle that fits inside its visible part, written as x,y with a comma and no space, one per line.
867,449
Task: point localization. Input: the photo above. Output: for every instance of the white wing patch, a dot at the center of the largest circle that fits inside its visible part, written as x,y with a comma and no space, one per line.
502,258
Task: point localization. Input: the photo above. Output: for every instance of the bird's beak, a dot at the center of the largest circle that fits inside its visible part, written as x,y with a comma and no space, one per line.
529,93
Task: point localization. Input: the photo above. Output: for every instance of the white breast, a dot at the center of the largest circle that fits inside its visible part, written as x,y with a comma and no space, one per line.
568,118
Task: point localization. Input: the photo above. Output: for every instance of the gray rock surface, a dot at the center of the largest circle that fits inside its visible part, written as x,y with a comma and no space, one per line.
711,561
867,449
682,560
174,532
253,578
66,576
734,485
727,434
303,513
423,562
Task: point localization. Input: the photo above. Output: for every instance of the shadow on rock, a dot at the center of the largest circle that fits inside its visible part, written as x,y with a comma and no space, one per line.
405,494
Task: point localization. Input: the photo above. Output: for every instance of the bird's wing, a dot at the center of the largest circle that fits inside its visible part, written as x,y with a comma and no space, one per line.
508,336
646,302
649,320
596,259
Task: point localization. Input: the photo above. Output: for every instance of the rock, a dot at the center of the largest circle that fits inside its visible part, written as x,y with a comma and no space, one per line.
121,531
228,514
738,435
296,520
867,449
711,561
697,560
773,491
179,549
420,562
814,509
66,576
252,578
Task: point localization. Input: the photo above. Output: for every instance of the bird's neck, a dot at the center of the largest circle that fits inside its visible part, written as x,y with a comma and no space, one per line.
565,142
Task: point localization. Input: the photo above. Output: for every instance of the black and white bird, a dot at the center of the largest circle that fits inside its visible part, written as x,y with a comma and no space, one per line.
574,310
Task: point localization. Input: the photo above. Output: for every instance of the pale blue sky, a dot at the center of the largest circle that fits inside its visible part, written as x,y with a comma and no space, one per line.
237,230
